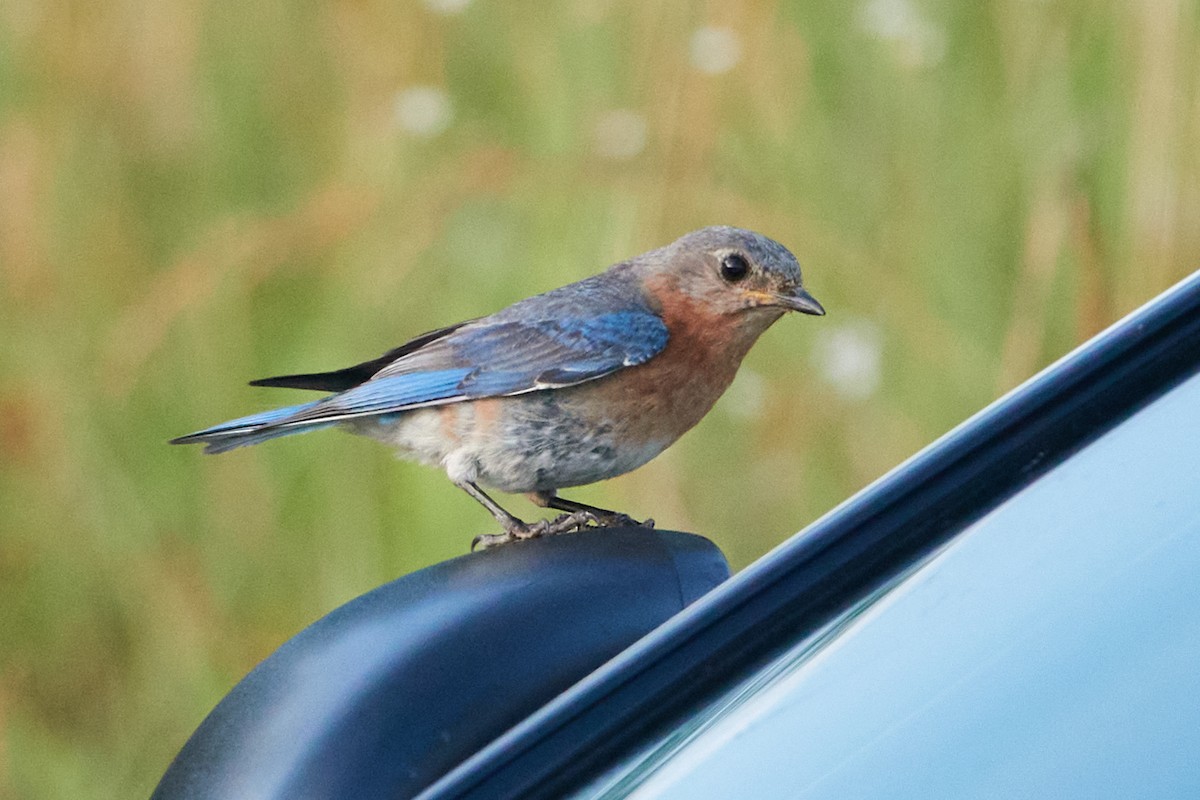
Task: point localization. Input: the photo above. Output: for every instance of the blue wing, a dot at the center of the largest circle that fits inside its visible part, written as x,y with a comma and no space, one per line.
519,356
486,358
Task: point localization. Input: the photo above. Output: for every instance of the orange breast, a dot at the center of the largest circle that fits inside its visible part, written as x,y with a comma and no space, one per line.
663,398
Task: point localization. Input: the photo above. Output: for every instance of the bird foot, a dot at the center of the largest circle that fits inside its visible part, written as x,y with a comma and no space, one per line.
564,523
521,531
615,519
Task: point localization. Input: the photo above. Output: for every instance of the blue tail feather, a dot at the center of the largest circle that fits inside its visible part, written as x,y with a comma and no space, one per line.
253,429
382,396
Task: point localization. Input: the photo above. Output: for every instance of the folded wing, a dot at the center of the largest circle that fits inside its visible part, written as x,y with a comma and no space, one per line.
475,360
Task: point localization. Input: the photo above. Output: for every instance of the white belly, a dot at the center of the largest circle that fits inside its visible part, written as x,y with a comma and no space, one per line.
519,444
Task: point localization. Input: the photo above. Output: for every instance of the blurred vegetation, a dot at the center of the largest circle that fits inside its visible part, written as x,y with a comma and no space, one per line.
194,193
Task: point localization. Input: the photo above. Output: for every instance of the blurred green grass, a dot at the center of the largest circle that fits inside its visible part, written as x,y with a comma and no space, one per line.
194,194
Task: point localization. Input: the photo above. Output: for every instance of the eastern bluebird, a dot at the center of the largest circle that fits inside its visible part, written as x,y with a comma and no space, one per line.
573,386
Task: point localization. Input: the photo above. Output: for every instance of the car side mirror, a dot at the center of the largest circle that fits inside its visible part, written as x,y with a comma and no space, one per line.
384,695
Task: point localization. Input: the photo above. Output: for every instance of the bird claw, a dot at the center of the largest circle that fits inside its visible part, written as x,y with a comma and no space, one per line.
564,523
485,541
513,533
616,519
574,521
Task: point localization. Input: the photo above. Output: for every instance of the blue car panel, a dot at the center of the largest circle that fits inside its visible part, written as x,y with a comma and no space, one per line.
1051,650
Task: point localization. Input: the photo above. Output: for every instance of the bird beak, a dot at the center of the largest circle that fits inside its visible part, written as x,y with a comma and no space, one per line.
801,301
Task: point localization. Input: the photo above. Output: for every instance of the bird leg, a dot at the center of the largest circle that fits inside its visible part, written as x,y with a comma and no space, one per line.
578,517
516,529
601,516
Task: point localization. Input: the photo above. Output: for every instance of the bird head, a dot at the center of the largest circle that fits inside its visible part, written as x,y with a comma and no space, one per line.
736,271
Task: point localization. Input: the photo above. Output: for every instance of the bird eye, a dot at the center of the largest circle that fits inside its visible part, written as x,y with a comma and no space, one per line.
734,267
